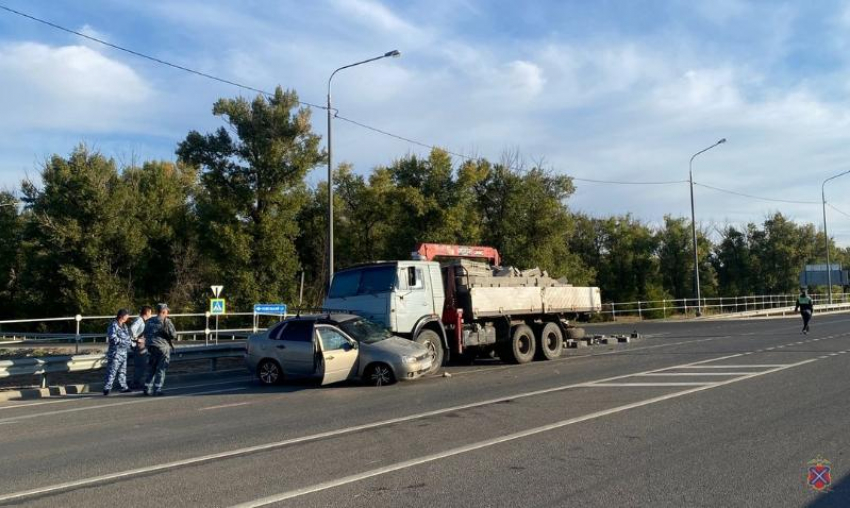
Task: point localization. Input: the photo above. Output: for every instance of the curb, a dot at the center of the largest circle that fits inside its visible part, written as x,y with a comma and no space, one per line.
75,389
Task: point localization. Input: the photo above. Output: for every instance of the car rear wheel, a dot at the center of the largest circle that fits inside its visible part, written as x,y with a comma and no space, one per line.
269,372
379,374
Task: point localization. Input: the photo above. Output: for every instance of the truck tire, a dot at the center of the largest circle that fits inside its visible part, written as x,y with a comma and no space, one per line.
431,340
521,347
575,333
550,343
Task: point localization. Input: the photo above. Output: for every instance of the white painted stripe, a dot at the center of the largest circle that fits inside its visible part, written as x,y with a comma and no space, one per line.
115,404
237,404
696,374
622,385
313,437
485,444
742,366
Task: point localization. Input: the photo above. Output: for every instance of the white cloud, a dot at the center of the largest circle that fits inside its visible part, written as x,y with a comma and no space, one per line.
374,15
68,87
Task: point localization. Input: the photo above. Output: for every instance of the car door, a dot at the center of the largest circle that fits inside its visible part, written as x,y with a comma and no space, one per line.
296,350
339,354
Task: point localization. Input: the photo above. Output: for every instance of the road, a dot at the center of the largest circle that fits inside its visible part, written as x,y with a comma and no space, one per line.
724,413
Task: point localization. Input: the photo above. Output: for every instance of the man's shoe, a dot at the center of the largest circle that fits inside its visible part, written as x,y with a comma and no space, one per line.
105,393
146,393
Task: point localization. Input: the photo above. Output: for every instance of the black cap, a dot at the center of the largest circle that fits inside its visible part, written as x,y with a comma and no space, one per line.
161,307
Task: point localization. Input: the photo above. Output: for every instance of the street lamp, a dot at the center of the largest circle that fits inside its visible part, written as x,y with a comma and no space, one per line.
393,53
694,223
825,234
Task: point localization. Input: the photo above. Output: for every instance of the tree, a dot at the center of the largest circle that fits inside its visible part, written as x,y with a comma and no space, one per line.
11,261
78,238
252,190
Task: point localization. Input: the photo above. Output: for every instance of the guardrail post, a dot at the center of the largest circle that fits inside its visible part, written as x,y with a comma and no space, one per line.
77,318
44,381
685,301
664,303
613,311
207,328
640,314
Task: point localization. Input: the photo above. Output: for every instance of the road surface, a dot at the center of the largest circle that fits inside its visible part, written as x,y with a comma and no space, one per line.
725,413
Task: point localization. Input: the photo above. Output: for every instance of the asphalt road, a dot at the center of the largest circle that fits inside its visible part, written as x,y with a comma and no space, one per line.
695,414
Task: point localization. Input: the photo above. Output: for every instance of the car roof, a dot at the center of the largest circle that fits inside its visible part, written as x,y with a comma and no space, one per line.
330,317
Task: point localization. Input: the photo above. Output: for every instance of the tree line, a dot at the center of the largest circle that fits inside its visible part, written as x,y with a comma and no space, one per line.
234,209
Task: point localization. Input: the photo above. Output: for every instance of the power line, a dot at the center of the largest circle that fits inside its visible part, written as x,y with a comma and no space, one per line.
469,158
148,57
727,191
839,211
263,92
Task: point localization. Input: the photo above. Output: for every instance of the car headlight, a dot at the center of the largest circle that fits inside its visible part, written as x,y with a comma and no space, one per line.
408,359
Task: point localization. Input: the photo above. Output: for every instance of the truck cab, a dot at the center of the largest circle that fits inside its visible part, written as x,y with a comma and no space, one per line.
407,297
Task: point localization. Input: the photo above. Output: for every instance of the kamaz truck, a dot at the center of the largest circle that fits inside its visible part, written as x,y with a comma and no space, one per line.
461,303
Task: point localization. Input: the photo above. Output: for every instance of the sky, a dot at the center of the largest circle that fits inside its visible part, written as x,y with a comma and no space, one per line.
606,90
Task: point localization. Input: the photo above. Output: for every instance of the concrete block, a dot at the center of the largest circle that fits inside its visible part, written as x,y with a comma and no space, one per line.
623,338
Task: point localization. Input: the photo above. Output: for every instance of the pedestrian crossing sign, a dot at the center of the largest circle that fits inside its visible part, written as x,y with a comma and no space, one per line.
218,306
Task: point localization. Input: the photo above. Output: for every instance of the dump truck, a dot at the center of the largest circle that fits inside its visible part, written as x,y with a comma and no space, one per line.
462,303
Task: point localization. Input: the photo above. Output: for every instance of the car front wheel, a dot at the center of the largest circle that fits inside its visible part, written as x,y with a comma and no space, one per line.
379,374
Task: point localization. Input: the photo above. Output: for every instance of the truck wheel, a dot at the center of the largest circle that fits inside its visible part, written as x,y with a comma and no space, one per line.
551,342
522,346
431,340
575,333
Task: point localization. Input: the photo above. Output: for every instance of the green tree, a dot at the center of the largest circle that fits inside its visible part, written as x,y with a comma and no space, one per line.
251,192
11,260
79,243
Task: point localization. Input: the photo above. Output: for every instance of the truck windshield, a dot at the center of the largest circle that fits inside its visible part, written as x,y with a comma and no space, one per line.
363,330
366,281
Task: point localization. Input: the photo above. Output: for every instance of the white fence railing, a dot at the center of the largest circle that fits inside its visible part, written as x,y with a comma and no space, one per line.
711,305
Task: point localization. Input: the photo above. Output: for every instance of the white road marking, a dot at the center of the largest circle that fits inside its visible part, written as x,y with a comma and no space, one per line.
313,437
696,374
115,404
742,366
95,395
487,443
225,405
623,385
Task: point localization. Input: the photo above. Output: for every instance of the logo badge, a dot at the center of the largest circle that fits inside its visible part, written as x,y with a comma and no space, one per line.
819,474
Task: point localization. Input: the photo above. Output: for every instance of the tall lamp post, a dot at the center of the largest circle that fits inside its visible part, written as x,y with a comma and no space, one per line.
393,53
825,234
694,223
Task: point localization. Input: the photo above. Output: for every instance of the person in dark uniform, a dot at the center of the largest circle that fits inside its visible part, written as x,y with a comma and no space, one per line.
806,308
159,334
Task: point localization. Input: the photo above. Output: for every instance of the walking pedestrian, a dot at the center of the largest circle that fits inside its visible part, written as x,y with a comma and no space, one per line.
119,339
159,336
140,353
804,304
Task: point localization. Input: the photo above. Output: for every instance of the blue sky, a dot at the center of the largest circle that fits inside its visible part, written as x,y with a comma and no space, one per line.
615,90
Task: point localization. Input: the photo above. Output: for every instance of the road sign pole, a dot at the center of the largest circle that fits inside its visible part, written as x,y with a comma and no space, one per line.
216,329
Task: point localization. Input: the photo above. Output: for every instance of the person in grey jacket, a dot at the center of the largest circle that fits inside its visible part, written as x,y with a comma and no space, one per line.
159,336
119,339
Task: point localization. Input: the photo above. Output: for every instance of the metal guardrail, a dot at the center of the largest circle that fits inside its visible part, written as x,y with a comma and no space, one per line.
47,365
713,305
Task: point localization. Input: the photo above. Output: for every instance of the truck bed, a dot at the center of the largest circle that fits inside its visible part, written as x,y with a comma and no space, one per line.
501,301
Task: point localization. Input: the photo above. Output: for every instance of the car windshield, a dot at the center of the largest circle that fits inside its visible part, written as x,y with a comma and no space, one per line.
363,330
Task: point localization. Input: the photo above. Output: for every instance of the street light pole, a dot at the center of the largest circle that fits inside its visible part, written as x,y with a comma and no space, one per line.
826,235
694,223
393,53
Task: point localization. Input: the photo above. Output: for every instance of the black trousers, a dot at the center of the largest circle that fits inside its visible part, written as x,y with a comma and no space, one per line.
807,316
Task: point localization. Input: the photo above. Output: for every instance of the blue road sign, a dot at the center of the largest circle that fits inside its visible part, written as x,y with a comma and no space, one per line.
218,306
269,309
